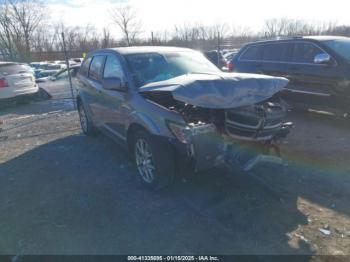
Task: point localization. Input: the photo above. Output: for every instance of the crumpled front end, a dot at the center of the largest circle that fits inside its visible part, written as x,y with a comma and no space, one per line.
235,141
235,119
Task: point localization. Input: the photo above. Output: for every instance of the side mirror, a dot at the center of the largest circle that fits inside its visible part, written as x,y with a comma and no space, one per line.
53,78
322,59
114,83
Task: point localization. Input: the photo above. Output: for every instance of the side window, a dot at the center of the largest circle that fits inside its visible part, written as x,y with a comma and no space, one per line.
252,53
113,68
305,53
85,66
276,52
96,67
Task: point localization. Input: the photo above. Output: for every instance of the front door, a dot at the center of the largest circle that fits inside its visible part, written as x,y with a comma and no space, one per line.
311,83
113,106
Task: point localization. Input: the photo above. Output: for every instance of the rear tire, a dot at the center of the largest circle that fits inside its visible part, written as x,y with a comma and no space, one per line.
154,160
86,124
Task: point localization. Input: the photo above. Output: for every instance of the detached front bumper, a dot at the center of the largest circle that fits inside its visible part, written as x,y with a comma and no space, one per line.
208,148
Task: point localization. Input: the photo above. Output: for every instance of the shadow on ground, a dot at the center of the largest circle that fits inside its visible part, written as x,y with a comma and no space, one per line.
10,104
79,195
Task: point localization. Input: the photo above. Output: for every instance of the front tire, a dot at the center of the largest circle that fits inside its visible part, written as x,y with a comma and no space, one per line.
154,160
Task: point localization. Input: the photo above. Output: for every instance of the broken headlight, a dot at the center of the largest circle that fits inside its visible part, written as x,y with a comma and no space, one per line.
181,132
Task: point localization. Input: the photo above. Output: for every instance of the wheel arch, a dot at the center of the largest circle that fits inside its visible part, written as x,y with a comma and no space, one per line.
132,130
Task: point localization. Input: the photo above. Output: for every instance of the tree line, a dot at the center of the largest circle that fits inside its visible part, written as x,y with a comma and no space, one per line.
26,32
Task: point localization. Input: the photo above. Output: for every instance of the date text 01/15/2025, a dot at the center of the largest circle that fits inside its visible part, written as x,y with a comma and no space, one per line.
173,258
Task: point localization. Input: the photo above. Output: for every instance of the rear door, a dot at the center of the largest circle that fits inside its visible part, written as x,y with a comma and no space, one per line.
274,59
90,84
311,83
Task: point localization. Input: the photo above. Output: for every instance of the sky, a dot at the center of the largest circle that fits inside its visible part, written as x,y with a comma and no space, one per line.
160,15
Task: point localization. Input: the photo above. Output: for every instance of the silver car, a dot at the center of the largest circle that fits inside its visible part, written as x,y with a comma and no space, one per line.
16,81
175,111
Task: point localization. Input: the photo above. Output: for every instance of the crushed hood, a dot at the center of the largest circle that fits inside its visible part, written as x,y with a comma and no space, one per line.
219,91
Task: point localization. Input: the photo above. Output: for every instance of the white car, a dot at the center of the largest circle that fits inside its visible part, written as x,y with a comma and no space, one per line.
15,81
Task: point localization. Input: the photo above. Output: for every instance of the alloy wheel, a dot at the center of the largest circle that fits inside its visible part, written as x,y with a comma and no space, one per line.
144,160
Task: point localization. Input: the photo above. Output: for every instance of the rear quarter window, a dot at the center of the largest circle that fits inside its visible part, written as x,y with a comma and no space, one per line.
95,71
252,53
84,69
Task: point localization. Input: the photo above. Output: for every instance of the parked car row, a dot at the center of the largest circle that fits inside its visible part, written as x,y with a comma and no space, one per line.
60,75
18,81
49,68
216,58
221,59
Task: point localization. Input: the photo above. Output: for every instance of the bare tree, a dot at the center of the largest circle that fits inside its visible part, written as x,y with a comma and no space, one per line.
274,27
106,38
26,16
19,20
125,18
25,35
6,33
295,27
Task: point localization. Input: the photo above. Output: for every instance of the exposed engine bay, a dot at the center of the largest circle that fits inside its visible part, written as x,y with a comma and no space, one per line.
258,122
235,118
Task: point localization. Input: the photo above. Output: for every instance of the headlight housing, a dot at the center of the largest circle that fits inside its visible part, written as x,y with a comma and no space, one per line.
181,132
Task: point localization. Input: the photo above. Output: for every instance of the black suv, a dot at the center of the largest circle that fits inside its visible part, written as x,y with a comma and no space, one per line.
318,68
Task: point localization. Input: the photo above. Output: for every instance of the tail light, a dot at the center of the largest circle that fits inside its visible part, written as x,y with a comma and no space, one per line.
3,83
230,66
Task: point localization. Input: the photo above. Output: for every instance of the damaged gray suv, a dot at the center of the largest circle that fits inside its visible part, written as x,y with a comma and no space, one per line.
175,111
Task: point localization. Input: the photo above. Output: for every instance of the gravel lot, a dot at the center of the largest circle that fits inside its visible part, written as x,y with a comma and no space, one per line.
64,193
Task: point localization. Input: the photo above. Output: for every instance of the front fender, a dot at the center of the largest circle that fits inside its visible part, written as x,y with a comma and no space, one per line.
145,121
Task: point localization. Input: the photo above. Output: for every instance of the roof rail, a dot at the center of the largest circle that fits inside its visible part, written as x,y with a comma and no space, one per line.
284,38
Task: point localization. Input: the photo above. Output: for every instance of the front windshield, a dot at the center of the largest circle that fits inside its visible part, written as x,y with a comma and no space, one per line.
153,67
340,46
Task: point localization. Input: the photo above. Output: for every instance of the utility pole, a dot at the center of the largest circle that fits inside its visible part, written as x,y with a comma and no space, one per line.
218,48
152,38
68,70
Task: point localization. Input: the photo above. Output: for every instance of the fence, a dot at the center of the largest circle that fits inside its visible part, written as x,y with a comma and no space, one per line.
205,45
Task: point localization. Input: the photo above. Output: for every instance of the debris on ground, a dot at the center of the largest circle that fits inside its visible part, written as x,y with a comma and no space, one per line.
325,231
301,237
